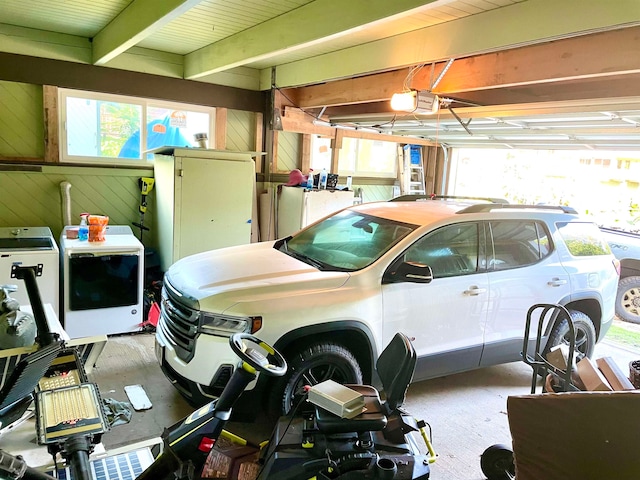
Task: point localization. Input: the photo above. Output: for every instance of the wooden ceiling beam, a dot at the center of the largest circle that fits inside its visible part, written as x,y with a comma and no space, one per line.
140,19
305,26
598,55
595,59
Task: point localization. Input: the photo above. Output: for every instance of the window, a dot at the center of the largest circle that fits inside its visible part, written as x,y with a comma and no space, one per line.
517,243
449,251
357,157
368,158
583,239
114,129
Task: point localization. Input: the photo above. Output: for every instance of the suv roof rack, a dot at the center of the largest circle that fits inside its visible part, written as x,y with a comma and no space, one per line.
487,207
421,197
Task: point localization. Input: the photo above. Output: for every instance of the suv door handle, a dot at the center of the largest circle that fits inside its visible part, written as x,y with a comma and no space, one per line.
474,290
556,282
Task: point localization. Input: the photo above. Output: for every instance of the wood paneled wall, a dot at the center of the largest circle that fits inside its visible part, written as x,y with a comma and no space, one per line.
33,197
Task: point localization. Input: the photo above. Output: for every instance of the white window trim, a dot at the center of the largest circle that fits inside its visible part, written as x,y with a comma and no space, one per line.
63,93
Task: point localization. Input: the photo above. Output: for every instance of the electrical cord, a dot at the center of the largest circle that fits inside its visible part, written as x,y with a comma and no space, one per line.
292,414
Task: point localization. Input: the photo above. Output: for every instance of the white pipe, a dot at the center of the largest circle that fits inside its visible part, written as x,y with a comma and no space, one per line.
65,187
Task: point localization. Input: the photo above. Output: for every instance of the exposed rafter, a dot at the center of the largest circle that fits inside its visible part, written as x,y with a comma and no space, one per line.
520,24
554,68
136,22
303,27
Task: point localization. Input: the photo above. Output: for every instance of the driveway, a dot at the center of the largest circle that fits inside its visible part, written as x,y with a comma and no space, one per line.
467,412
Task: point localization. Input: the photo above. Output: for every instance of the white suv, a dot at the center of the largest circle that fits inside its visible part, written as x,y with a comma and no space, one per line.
456,276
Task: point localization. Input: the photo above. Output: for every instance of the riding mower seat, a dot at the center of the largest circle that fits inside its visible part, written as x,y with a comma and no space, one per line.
395,367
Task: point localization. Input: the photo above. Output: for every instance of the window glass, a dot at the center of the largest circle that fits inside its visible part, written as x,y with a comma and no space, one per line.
449,251
320,153
583,239
98,128
346,241
517,243
357,157
118,129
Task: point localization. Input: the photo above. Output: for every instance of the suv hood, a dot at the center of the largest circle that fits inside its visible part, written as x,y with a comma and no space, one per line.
245,273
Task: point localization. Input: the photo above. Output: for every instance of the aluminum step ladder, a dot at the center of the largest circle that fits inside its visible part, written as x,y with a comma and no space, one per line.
412,171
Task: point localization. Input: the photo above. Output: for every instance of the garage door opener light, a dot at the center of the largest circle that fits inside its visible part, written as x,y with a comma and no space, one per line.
416,101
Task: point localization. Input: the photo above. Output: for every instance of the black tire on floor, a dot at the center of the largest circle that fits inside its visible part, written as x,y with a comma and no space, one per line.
310,366
496,463
585,334
628,299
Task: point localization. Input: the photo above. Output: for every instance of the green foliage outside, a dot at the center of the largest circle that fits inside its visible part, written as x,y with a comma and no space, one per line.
117,122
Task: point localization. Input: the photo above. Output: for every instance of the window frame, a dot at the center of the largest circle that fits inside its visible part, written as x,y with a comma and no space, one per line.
145,103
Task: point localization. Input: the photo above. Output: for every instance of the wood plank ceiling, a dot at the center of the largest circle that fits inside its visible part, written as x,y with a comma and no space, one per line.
508,73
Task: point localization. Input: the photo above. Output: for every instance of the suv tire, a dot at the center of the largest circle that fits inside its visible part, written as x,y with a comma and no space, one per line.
312,365
628,299
585,335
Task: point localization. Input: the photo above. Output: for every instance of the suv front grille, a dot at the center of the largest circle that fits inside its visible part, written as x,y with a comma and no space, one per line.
179,324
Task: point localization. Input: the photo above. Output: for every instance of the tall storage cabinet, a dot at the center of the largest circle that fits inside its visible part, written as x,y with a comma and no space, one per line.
204,200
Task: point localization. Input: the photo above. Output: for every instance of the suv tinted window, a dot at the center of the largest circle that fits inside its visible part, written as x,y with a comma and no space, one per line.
517,243
449,251
583,239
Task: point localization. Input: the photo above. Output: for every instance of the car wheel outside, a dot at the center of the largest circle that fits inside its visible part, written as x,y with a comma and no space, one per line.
585,333
628,299
312,365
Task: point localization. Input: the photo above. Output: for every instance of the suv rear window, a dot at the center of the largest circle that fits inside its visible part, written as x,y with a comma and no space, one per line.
583,239
517,243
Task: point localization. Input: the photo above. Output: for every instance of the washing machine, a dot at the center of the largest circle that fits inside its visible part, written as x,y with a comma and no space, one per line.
31,246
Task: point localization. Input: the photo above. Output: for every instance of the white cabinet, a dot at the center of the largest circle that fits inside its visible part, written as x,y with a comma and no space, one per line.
204,200
299,207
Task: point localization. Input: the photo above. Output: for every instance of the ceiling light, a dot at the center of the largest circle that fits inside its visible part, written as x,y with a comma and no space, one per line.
415,101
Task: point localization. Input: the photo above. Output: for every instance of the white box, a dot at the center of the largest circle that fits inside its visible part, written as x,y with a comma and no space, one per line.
337,399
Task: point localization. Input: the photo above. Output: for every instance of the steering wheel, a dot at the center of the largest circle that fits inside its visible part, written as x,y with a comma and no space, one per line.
273,364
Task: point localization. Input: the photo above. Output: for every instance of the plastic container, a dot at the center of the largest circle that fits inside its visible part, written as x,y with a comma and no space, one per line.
310,180
322,181
98,227
83,230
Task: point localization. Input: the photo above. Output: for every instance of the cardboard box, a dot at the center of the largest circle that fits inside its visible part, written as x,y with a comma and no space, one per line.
592,377
575,436
558,356
226,459
613,374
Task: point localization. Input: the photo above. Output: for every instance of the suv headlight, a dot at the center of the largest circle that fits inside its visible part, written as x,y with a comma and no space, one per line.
222,325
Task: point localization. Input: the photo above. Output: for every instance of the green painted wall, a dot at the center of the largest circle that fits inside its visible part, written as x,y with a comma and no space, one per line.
241,131
34,198
21,120
289,151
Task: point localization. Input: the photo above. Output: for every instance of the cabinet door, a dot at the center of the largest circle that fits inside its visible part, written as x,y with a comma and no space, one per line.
215,204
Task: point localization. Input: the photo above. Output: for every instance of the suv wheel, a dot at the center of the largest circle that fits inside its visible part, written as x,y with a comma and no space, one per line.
312,365
628,299
585,335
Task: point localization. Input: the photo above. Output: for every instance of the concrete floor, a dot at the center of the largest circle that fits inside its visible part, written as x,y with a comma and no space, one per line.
467,412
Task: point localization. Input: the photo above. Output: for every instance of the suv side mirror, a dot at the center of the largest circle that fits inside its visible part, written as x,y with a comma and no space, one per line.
408,272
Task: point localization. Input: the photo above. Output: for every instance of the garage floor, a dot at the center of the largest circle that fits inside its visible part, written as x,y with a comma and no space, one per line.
467,412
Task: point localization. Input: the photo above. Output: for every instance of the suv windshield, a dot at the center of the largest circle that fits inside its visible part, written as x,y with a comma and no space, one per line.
346,241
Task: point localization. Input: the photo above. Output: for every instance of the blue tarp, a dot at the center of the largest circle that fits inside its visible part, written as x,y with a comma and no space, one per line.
159,134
